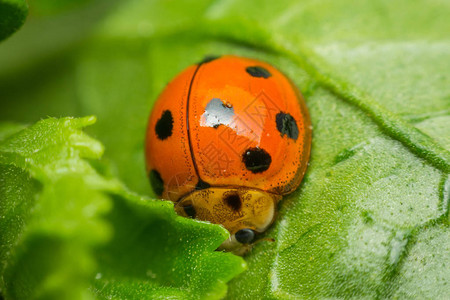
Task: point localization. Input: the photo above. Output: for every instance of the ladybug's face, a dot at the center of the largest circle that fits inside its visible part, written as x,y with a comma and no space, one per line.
243,212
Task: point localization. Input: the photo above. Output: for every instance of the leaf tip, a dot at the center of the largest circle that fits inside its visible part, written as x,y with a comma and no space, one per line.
89,120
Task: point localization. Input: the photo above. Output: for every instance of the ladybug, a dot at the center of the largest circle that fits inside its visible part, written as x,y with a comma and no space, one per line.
226,140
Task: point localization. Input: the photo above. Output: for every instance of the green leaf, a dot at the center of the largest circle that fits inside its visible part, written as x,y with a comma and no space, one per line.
425,269
69,232
12,16
371,217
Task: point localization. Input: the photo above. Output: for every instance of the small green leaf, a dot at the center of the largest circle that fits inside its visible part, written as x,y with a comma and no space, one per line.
12,16
69,232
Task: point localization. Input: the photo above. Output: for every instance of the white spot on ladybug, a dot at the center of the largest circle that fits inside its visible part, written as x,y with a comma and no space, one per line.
217,113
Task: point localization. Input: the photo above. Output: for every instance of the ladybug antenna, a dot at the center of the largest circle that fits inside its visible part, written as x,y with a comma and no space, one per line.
267,239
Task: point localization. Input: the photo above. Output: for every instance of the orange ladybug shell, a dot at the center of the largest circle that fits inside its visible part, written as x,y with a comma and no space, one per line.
231,122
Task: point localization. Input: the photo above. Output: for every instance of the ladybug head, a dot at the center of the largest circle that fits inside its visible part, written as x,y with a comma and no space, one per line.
244,212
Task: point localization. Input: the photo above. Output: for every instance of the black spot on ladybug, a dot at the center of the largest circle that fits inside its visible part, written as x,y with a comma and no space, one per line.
209,58
217,113
190,210
164,126
201,185
286,125
233,201
156,182
256,159
257,71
